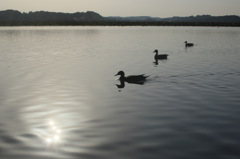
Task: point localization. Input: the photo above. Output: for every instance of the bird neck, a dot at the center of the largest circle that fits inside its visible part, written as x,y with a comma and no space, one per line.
122,77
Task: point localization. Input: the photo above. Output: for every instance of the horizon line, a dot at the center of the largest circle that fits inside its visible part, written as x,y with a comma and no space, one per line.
122,16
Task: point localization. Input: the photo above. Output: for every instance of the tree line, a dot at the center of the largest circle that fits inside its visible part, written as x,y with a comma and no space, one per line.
42,18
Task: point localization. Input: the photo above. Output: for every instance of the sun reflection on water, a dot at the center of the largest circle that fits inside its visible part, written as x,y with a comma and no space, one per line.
54,134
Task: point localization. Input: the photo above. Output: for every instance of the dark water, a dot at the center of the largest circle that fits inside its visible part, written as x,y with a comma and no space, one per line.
58,97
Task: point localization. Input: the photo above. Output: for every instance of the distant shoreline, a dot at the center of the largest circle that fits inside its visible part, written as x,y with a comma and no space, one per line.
90,18
119,23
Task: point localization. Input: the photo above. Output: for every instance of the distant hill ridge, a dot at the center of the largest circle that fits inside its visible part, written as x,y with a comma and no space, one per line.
14,17
199,18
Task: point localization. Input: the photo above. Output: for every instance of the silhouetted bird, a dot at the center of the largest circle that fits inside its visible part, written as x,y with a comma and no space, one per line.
161,56
137,79
188,44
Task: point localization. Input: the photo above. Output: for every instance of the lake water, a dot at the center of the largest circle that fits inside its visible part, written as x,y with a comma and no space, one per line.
59,98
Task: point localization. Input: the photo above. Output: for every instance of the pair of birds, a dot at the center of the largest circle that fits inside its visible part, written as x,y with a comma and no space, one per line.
164,56
139,79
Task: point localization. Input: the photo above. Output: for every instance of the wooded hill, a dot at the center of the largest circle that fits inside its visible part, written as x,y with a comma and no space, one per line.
16,18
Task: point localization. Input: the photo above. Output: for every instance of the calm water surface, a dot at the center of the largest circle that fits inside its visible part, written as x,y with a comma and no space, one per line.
59,99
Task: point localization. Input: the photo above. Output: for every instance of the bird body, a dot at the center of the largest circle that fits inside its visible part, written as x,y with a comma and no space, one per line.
188,44
161,56
132,78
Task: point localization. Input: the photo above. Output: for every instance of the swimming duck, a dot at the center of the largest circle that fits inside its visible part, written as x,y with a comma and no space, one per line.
161,56
188,44
138,79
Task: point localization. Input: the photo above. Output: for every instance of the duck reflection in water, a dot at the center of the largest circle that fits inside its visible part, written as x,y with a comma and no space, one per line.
156,62
121,85
133,79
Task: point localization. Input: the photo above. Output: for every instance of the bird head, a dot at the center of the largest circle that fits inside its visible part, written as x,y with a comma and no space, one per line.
121,73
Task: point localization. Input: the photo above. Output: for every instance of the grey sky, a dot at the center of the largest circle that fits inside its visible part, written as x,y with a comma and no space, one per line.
156,8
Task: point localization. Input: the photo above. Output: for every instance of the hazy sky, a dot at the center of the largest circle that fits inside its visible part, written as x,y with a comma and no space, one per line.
155,8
